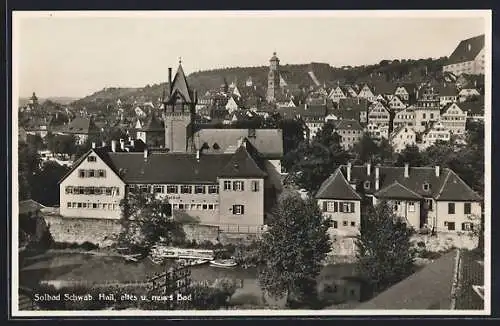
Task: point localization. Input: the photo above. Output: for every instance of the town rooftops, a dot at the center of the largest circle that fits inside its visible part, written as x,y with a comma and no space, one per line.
429,288
446,89
429,182
467,50
80,125
347,124
269,142
473,107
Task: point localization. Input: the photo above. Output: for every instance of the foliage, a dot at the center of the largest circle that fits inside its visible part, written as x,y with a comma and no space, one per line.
61,144
412,156
45,184
86,246
384,251
28,168
293,249
146,220
366,150
312,163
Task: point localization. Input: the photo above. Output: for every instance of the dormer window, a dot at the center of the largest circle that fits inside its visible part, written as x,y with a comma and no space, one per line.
426,186
366,185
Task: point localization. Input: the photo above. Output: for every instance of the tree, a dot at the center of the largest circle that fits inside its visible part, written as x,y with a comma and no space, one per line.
28,166
146,220
293,249
45,184
412,156
384,252
313,162
366,149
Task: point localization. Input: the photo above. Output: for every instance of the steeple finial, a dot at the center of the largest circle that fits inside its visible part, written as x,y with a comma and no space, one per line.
180,60
274,53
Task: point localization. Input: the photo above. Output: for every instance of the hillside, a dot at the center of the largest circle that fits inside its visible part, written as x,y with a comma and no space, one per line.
296,74
63,100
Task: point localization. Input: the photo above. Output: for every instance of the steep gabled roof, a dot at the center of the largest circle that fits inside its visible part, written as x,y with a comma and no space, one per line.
442,187
347,124
467,50
180,85
397,191
454,188
242,165
337,187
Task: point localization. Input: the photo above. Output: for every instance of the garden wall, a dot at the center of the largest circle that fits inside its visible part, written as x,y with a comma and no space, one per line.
80,230
102,231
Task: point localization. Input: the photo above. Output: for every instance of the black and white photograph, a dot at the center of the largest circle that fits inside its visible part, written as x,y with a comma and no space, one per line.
251,163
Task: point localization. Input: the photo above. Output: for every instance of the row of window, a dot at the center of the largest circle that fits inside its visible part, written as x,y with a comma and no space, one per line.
344,223
91,173
107,206
338,206
193,207
174,189
108,191
466,226
240,185
467,208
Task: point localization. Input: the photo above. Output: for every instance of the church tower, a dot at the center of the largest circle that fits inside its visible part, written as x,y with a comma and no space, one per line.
273,79
179,112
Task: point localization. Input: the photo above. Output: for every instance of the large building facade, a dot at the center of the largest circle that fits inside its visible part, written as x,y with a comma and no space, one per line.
467,58
213,188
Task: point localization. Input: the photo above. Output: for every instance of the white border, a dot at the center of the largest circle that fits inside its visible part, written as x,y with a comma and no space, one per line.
486,14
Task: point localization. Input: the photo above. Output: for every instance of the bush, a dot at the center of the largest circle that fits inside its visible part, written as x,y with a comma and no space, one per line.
421,244
87,246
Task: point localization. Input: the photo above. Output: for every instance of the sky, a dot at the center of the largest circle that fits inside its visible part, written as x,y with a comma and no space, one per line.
60,54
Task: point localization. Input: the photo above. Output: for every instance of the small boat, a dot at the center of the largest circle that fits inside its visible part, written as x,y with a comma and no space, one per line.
223,263
193,262
132,258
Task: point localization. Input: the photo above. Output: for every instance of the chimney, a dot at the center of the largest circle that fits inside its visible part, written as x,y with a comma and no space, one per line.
368,168
349,171
170,80
437,169
198,155
113,145
122,146
145,154
132,143
195,96
93,144
377,177
407,170
103,144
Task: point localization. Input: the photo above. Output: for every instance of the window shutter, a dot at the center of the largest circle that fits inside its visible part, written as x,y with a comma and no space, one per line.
352,207
242,209
234,186
341,207
335,206
242,183
324,206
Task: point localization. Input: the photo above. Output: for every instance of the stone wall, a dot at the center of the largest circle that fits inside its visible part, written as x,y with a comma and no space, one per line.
444,241
80,230
103,231
200,232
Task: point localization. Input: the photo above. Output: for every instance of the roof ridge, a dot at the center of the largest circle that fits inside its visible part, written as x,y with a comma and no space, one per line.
444,183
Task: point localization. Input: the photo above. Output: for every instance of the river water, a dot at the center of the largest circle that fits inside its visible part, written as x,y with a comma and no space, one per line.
102,269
